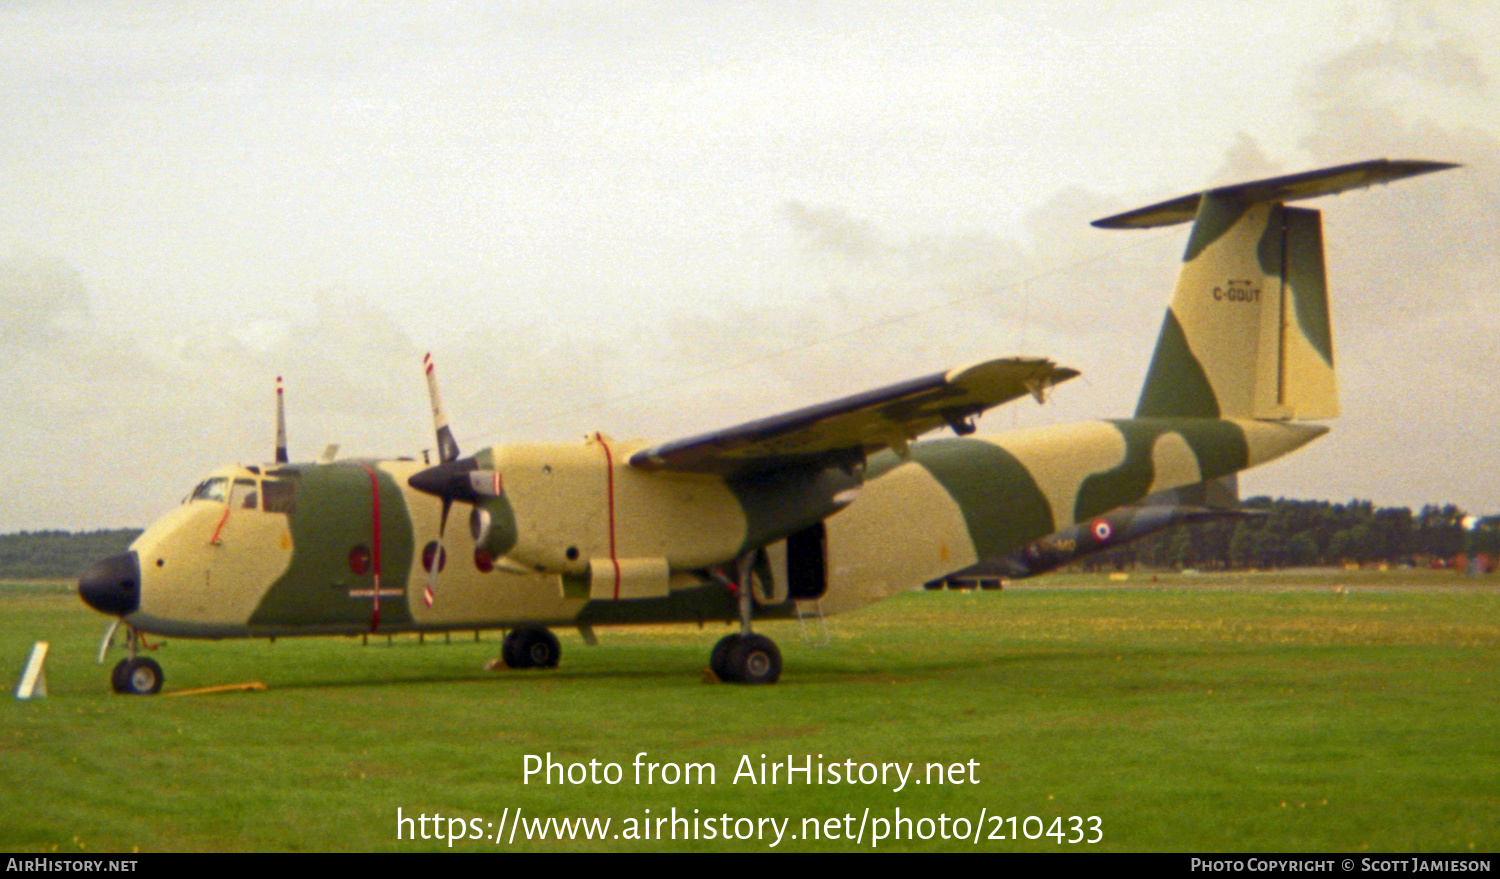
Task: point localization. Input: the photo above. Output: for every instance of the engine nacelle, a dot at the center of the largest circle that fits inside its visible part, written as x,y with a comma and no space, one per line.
576,503
492,524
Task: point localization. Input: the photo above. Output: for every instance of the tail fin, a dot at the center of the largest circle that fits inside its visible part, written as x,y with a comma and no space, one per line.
1247,334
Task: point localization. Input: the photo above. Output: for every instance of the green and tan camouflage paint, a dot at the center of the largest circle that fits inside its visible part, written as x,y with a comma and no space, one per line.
957,501
1247,334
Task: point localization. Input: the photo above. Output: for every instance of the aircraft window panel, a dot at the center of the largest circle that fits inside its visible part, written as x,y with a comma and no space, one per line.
280,495
215,489
244,496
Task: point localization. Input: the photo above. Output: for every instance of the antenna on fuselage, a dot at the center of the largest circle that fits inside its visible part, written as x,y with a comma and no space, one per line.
281,457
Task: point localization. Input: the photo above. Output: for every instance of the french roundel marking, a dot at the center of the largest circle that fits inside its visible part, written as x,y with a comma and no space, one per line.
1101,530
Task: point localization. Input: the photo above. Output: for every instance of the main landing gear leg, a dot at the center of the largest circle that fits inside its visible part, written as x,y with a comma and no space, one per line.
135,675
745,658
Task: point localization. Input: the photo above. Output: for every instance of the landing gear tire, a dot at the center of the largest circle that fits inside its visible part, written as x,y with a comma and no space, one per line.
117,676
752,659
140,676
531,648
510,650
544,651
718,659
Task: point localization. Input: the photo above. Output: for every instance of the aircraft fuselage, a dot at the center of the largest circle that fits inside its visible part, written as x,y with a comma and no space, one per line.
344,547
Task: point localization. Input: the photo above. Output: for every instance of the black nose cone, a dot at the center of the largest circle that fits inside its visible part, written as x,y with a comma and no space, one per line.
112,585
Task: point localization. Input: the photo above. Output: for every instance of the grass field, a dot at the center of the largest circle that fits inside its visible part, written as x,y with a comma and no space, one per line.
1291,712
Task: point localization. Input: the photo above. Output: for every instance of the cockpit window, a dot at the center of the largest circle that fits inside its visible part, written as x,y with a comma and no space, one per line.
279,495
245,497
215,489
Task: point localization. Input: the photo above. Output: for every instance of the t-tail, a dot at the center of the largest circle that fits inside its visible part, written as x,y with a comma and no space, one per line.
1247,334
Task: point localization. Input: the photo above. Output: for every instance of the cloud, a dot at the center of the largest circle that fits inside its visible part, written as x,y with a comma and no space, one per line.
1245,160
1445,62
41,299
93,411
1410,267
603,303
1088,298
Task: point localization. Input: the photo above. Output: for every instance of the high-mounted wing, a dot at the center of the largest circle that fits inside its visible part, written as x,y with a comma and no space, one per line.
848,429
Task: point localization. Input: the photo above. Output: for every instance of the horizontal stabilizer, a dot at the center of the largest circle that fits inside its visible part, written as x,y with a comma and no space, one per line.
1308,184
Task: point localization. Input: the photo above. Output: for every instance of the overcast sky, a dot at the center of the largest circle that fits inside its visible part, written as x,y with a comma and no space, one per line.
659,219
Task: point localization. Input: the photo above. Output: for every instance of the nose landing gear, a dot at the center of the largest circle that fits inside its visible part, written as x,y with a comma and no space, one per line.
141,676
136,675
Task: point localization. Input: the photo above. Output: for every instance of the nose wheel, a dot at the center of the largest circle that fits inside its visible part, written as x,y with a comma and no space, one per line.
138,676
134,675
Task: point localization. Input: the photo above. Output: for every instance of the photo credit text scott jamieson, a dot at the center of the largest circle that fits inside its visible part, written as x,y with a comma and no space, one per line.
1334,864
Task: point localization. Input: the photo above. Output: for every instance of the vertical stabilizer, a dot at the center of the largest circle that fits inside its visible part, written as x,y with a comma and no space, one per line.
1307,387
1248,334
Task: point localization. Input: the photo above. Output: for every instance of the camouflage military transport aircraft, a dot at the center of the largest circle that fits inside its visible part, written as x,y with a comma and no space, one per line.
818,510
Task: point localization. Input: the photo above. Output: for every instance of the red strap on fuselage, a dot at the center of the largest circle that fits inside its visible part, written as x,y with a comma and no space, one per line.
609,468
374,541
218,529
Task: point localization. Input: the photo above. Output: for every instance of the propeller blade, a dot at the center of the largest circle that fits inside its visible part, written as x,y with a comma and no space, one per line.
451,479
429,593
109,639
446,484
280,425
447,445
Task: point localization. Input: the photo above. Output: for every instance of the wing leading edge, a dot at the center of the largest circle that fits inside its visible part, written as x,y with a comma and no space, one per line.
850,428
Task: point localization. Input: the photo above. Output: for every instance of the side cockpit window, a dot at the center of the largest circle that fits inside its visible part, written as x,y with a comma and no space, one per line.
279,495
245,496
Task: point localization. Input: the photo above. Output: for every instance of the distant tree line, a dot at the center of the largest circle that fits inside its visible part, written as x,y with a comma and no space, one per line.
1293,533
53,555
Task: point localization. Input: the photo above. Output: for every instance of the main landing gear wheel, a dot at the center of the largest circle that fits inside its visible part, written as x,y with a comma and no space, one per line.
140,676
531,647
746,659
716,659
